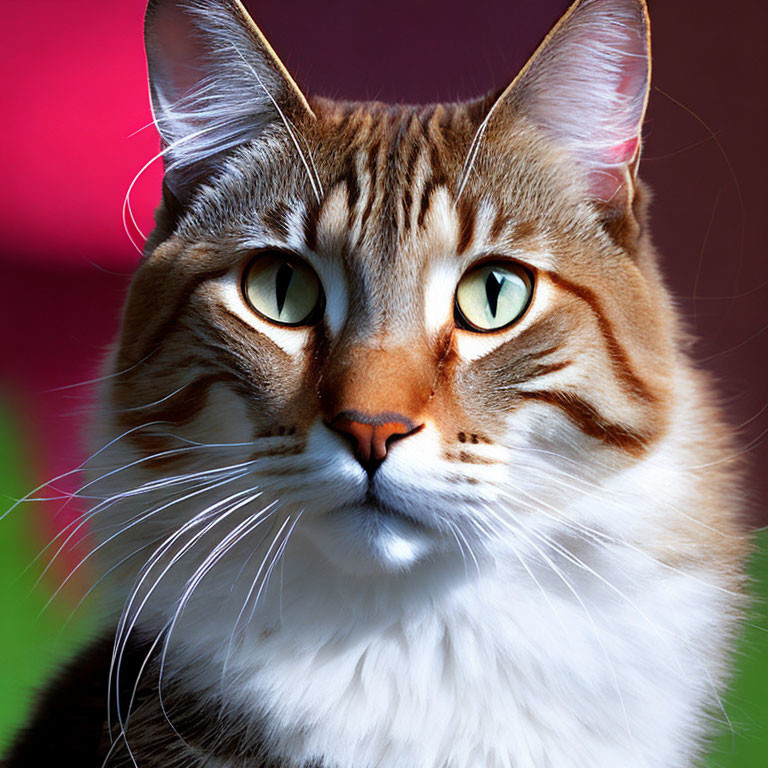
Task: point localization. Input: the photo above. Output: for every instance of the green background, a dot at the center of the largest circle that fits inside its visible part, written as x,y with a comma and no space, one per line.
33,644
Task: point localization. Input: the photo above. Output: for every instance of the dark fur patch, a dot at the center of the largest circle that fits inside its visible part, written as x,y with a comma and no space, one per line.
311,216
591,422
618,355
69,724
352,184
276,219
373,168
467,213
426,194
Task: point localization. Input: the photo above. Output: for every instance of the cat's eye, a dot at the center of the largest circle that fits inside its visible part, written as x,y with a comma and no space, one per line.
492,296
283,289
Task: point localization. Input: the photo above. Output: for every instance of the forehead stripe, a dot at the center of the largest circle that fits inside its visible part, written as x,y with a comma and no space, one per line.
311,215
353,185
467,211
426,194
373,169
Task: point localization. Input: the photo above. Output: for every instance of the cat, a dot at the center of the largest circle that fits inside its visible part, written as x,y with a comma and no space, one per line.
401,459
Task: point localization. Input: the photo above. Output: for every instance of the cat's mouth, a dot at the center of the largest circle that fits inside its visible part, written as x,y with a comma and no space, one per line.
371,534
373,505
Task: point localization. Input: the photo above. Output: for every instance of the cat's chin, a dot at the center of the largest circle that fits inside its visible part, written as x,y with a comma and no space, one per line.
367,538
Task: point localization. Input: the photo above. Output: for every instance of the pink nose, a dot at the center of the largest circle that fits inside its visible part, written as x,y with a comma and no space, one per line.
371,435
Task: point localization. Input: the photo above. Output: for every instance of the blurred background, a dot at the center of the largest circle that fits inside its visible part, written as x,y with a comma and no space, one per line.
76,132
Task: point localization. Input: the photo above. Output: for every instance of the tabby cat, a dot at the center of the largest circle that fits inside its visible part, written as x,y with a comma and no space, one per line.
401,459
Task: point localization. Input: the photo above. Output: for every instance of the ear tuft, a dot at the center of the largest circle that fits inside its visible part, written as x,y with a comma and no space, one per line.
215,83
587,85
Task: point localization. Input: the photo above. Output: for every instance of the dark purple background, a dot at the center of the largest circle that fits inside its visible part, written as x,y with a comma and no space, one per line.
76,91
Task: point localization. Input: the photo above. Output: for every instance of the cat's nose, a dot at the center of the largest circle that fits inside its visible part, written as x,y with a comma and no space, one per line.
372,434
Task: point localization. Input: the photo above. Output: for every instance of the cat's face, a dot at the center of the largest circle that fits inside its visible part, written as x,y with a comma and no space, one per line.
412,331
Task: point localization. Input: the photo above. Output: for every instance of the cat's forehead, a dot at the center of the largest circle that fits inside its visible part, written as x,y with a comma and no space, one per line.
386,170
390,175
376,185
397,134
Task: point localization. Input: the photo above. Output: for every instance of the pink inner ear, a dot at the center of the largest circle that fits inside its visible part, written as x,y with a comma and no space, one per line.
589,89
622,153
605,184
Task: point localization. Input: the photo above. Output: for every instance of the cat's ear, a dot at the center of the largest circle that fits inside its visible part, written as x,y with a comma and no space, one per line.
215,83
587,85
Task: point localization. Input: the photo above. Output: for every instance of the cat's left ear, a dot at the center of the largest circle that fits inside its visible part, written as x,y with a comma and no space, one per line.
215,84
587,86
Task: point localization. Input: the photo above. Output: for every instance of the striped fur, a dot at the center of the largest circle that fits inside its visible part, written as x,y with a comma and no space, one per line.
548,572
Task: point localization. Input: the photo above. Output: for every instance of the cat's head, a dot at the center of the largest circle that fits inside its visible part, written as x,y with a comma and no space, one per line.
403,331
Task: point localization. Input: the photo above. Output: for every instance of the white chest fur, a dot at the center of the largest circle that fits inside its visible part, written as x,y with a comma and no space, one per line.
511,668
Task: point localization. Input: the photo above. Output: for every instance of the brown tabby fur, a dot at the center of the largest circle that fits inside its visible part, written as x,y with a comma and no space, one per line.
607,353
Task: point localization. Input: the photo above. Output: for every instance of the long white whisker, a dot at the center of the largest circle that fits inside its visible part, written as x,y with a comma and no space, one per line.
80,522
459,545
243,529
541,589
103,378
598,536
469,162
569,556
155,402
123,630
317,190
28,497
264,580
101,578
251,590
169,148
136,520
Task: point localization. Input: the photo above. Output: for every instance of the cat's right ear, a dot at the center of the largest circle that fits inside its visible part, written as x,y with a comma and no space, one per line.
587,88
215,84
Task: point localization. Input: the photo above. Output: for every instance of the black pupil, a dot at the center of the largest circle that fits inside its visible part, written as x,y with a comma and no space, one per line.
493,285
283,278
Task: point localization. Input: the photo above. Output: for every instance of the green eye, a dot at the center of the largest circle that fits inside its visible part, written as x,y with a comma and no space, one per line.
492,296
283,288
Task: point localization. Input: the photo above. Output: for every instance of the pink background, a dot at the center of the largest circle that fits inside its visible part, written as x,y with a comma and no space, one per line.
74,97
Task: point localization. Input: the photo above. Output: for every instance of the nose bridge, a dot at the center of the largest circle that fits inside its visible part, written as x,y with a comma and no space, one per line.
378,378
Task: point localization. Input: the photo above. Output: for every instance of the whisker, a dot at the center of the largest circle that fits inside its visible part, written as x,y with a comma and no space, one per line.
123,630
250,592
452,529
541,589
103,378
64,475
600,537
474,146
101,578
314,184
169,148
265,580
569,556
136,521
218,552
155,402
